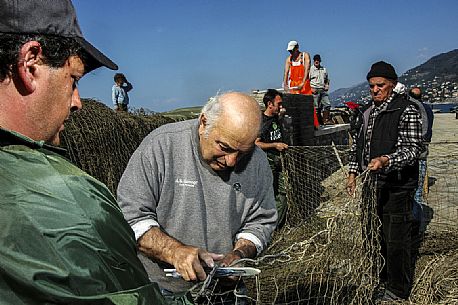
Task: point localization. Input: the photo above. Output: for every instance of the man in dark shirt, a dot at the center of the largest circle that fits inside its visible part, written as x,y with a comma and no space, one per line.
271,141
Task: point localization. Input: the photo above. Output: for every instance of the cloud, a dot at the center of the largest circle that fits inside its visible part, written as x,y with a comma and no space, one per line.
159,29
422,53
171,100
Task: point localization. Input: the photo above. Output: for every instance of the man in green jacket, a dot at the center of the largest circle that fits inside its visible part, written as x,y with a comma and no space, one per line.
63,238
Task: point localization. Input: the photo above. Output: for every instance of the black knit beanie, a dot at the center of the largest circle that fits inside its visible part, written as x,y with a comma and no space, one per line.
382,69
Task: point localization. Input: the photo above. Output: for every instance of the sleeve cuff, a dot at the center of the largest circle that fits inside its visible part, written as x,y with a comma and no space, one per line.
387,168
251,237
143,226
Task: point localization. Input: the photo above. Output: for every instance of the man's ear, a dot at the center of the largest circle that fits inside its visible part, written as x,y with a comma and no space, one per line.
29,59
202,123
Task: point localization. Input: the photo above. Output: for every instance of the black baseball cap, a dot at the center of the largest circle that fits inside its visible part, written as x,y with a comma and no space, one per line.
49,17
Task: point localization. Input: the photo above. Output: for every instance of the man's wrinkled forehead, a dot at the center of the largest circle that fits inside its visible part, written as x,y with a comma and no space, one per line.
380,81
236,134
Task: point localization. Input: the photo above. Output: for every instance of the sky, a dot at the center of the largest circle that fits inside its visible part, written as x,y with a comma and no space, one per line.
178,53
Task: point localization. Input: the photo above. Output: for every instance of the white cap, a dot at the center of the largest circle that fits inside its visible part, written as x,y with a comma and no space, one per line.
291,45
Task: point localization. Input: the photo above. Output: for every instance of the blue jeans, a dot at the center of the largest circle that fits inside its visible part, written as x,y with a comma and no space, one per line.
417,207
321,99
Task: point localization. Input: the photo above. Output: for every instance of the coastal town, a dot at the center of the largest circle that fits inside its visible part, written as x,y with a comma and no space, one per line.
437,90
436,77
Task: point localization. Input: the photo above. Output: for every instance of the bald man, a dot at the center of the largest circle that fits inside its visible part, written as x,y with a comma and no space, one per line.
199,192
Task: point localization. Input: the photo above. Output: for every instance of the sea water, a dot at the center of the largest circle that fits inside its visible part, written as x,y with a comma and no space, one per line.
443,107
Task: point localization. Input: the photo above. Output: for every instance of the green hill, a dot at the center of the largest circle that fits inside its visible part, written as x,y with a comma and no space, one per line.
182,114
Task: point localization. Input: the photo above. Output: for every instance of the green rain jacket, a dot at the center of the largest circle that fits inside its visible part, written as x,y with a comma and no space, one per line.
63,238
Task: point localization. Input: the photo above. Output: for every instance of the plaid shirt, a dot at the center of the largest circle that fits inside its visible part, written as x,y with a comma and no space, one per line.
408,145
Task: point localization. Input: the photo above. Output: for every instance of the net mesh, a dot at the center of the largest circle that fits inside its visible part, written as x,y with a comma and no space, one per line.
101,141
327,253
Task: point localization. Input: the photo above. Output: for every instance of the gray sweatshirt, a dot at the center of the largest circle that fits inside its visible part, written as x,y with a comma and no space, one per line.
167,184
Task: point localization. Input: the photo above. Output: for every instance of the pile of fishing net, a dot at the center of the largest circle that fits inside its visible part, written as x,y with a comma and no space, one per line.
327,253
100,141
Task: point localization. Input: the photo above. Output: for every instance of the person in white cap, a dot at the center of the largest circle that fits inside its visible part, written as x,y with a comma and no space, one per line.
297,66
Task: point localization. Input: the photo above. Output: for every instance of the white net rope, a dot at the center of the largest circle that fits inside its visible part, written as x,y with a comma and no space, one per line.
328,251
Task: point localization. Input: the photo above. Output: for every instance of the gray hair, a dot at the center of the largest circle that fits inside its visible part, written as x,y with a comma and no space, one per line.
212,110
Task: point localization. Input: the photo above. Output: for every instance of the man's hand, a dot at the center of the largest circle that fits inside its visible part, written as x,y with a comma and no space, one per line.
243,249
285,87
351,184
230,257
274,145
378,163
281,146
188,260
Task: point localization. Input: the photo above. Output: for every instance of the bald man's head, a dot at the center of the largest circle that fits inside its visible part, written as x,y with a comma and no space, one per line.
228,127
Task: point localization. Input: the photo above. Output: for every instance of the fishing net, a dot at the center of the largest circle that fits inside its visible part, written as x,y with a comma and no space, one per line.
327,252
100,141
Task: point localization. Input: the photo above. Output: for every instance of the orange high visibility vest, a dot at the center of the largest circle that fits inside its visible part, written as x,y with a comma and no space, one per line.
296,75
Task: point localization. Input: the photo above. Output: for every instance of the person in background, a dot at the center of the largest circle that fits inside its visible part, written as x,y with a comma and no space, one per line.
427,131
63,238
199,193
271,140
388,141
119,92
296,73
319,82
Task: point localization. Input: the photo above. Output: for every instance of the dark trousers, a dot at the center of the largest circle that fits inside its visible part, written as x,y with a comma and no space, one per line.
279,188
394,208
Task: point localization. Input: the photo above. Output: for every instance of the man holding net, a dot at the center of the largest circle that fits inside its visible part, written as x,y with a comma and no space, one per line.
271,140
199,193
388,141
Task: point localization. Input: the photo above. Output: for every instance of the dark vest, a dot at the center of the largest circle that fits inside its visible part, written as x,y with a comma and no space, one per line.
383,142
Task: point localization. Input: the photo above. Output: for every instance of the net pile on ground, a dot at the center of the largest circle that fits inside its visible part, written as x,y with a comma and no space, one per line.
436,279
101,141
327,253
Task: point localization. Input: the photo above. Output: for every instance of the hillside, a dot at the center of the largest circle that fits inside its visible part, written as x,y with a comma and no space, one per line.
438,77
183,113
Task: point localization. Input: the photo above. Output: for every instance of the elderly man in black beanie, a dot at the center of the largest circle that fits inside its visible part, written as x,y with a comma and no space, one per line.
387,144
